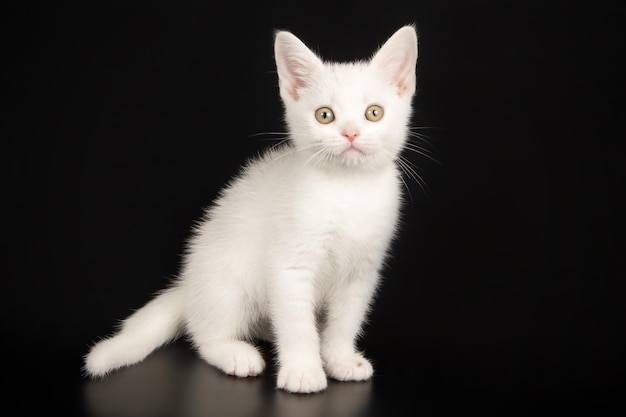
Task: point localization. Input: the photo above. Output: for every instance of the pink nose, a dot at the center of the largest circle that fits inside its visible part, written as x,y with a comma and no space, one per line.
351,134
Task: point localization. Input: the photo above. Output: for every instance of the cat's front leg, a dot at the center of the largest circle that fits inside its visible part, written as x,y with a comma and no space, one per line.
297,339
346,312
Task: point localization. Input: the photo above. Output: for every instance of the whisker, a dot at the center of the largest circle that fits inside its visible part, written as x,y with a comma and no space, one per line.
418,134
409,162
406,186
269,133
324,157
418,150
293,151
283,138
284,134
408,169
276,145
327,155
418,147
412,176
310,158
424,138
405,172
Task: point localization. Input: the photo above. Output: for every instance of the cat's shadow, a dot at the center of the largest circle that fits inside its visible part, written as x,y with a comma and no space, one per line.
174,381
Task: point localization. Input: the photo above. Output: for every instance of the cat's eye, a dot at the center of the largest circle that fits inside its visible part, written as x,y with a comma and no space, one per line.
324,115
374,113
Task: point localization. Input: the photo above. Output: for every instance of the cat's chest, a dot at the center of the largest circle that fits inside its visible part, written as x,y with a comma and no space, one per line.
356,208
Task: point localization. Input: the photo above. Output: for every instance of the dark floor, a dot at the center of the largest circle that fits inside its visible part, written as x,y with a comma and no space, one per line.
174,382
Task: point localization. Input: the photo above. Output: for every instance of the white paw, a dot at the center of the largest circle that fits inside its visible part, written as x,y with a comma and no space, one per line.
302,379
349,368
235,358
244,363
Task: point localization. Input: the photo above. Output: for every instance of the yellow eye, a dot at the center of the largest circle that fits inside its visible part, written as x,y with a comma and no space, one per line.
324,115
374,113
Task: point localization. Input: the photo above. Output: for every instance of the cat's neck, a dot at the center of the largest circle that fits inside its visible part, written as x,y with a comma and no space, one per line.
332,170
305,160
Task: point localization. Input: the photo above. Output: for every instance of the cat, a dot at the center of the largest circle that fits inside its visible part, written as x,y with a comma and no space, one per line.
292,249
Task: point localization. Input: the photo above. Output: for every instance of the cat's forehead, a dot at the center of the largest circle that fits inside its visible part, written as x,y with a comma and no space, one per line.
349,82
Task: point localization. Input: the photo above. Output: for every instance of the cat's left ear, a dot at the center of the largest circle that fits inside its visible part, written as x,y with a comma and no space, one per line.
397,59
295,62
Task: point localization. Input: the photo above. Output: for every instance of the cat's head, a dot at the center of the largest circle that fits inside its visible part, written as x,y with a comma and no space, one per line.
348,114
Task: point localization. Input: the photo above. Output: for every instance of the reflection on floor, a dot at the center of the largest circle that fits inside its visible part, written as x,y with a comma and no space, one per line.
174,381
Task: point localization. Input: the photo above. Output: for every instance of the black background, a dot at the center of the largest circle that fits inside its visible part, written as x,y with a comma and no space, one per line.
505,291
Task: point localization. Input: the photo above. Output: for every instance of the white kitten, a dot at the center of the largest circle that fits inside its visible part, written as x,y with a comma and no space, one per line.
291,250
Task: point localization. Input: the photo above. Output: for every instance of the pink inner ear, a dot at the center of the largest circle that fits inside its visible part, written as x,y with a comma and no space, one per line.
295,62
402,87
298,77
399,72
293,92
396,59
402,77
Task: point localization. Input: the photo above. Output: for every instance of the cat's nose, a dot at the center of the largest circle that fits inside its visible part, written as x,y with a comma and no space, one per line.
351,133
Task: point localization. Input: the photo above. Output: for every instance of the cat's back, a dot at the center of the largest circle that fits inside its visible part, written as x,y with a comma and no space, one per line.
242,217
264,185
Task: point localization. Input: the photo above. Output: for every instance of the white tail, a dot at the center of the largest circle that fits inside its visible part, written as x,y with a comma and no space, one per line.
155,324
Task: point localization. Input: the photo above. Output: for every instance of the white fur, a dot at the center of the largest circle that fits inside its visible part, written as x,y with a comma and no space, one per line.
291,250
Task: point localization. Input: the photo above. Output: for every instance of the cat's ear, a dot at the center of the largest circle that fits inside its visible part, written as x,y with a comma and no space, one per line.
295,62
397,59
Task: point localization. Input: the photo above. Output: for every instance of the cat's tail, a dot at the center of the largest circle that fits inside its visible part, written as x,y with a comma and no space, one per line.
156,323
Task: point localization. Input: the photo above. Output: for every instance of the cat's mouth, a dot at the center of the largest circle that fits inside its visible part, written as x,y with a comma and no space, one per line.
349,153
351,150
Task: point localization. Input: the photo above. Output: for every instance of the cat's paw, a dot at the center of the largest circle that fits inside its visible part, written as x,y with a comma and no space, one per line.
235,358
245,364
302,379
353,367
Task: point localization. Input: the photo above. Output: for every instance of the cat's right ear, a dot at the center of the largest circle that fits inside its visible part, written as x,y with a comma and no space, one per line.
295,62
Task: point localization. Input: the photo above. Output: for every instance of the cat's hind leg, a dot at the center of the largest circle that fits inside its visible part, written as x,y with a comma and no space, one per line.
220,332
